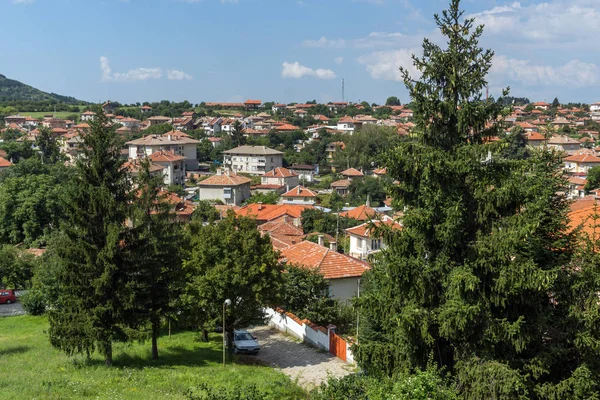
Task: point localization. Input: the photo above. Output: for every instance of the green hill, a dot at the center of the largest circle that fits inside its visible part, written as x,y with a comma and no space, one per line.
15,91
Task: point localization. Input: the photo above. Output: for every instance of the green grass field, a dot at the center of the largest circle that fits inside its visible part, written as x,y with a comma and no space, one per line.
31,369
38,114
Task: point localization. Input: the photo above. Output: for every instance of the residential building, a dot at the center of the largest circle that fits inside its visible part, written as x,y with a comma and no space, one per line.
352,173
341,187
134,167
88,116
333,147
564,143
256,160
341,271
226,186
268,212
178,144
282,177
158,120
595,111
252,104
535,139
360,213
146,109
306,173
276,107
299,195
346,124
15,119
282,232
173,166
366,240
542,105
581,163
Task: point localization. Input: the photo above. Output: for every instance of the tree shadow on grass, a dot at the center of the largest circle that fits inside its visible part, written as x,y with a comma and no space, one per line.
14,350
169,357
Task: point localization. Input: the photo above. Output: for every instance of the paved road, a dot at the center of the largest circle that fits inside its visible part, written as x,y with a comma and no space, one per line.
298,360
9,310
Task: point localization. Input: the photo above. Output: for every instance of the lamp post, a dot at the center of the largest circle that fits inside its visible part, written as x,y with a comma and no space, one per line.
226,303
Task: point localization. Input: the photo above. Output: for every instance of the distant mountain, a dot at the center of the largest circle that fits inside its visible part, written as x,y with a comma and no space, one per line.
11,90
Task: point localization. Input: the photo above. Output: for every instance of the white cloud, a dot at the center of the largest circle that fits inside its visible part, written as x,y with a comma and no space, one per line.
229,1
296,71
386,64
176,75
137,74
23,1
574,73
324,42
551,23
339,60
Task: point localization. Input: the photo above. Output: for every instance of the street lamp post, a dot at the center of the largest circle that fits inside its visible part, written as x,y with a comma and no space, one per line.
226,303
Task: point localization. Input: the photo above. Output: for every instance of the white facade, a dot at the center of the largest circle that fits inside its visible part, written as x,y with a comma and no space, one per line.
255,160
363,247
595,111
228,194
148,145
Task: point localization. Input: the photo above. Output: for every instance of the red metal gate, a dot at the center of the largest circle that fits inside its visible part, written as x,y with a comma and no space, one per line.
337,346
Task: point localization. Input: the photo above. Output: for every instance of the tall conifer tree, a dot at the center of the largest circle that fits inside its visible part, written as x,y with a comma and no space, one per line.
478,280
93,249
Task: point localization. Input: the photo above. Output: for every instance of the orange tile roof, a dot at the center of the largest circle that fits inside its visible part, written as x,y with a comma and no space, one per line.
346,119
341,183
279,172
269,212
255,102
365,230
535,136
331,264
300,191
165,156
361,213
585,214
583,158
4,162
226,178
380,171
176,134
281,226
287,127
352,172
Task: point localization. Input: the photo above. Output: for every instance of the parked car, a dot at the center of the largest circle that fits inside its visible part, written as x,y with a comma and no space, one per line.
244,342
7,296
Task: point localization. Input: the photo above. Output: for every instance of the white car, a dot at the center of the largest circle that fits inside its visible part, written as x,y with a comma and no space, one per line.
244,342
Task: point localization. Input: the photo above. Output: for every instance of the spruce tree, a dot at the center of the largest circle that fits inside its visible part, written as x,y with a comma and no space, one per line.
92,248
477,281
156,258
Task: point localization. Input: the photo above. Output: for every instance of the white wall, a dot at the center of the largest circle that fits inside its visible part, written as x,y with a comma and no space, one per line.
343,289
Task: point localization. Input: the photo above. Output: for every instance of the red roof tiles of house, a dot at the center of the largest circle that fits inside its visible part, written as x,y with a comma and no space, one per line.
380,171
165,156
146,108
346,119
226,178
287,127
176,134
300,191
584,214
535,137
361,213
279,172
352,172
341,183
253,102
88,113
269,212
583,158
365,230
562,139
4,163
331,264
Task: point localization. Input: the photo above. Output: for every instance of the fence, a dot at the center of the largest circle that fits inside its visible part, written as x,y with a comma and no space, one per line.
308,332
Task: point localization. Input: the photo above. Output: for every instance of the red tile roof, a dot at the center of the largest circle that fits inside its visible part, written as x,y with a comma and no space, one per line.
4,163
279,172
585,215
300,191
380,171
346,119
583,158
341,183
165,156
353,172
535,137
287,127
361,213
365,230
254,102
269,212
331,264
226,178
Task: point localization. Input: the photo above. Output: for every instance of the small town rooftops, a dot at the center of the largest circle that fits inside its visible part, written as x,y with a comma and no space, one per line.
279,172
299,191
352,172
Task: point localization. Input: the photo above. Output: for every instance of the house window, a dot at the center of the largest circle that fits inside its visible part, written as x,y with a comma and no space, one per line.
227,193
375,244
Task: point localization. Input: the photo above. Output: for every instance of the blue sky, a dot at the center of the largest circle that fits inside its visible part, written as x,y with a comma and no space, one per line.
285,50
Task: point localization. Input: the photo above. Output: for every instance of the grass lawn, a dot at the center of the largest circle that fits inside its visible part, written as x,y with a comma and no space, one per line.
31,369
38,114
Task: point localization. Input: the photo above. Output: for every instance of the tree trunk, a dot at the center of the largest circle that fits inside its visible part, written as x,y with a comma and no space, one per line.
108,356
230,341
155,331
205,335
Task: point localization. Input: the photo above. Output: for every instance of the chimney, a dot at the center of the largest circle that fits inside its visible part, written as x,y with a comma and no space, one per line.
219,171
260,207
368,204
170,137
321,240
333,246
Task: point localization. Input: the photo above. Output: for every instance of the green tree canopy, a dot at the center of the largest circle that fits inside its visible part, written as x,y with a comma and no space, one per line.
593,179
393,101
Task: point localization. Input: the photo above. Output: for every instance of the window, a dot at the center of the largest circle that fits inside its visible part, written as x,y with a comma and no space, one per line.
375,244
227,193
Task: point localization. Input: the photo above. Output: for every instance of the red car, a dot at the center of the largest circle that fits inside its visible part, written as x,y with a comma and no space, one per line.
7,296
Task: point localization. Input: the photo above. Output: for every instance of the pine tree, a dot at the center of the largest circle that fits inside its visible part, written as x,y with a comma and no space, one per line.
476,280
156,259
237,134
555,103
92,248
48,146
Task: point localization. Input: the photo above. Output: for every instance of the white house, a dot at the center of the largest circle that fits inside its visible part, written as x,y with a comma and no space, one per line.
256,160
88,116
363,238
306,173
342,272
173,166
581,163
595,111
346,124
226,186
280,176
299,195
564,143
178,144
213,126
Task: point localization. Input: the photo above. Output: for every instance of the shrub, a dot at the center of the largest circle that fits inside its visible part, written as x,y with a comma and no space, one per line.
33,302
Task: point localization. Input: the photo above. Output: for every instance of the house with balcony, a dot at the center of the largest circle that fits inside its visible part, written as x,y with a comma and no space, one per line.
226,186
282,177
366,239
255,160
581,163
173,166
595,111
346,124
88,116
178,144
